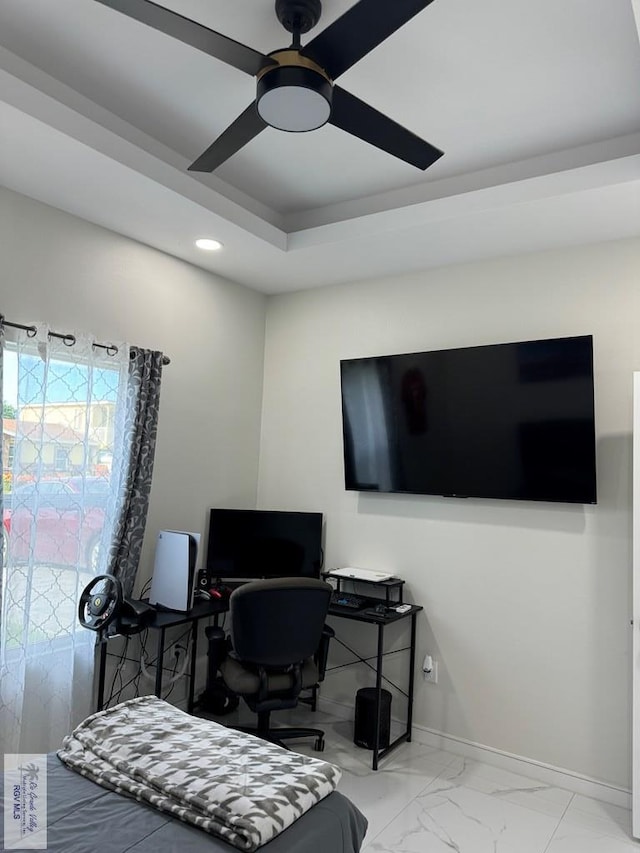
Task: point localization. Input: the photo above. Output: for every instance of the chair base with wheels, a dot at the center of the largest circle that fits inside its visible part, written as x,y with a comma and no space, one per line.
280,734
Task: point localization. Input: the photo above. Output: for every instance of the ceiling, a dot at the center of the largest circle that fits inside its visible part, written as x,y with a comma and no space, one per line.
536,106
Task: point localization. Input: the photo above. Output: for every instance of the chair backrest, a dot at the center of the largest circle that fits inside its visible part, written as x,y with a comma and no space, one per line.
279,621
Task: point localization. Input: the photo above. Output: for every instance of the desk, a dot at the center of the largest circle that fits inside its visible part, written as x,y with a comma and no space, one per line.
382,620
163,619
160,621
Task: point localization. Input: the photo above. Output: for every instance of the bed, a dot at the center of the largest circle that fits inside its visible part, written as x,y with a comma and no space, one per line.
84,816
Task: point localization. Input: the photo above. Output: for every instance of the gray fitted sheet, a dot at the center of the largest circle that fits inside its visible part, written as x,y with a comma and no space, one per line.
82,817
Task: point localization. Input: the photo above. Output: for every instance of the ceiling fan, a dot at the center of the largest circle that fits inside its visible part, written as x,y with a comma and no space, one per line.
295,85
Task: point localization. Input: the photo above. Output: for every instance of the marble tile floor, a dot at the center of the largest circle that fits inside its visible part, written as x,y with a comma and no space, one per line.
424,800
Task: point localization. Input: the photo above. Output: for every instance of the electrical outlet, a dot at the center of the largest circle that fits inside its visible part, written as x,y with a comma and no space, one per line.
432,676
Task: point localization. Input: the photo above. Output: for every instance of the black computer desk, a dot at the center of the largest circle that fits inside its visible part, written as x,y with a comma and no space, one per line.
159,621
382,620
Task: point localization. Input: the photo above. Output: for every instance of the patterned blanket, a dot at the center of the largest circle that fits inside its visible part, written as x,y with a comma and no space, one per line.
233,785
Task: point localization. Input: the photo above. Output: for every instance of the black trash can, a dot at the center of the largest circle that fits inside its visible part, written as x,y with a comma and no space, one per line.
364,730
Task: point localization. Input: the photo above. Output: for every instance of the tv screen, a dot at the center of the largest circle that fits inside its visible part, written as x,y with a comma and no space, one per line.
264,544
513,421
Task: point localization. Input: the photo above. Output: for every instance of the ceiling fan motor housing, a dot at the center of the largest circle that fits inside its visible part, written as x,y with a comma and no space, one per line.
302,15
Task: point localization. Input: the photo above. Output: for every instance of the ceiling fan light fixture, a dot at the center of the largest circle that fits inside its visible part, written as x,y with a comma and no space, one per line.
294,98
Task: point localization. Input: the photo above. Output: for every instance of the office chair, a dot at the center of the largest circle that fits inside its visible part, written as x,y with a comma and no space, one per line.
277,638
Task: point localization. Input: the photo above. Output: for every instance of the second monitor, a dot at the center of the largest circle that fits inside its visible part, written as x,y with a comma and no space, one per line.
247,544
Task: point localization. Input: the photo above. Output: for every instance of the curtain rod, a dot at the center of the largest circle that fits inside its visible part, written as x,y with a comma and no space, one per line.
69,339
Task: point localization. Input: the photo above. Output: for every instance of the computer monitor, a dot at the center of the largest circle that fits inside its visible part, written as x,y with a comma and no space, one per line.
249,544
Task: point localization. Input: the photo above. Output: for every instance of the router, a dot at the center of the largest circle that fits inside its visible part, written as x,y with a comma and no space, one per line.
356,574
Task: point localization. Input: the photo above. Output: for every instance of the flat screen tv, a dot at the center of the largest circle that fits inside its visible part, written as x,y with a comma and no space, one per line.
248,544
512,421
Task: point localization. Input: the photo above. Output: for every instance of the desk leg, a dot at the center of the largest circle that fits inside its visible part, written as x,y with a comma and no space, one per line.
412,669
376,742
159,663
192,676
102,671
406,735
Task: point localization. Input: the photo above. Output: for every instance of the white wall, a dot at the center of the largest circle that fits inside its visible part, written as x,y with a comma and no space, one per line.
527,606
74,275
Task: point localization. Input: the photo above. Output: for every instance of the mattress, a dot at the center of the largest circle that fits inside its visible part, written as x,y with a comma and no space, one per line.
83,817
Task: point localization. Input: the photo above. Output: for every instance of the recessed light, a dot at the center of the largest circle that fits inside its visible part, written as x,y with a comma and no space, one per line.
208,245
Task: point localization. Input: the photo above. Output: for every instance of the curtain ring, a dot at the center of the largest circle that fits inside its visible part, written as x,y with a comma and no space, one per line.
68,340
110,349
31,331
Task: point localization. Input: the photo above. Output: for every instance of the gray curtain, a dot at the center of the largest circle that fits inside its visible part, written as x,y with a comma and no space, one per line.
141,422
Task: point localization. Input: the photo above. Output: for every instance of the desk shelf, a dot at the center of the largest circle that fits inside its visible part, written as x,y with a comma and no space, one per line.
373,618
389,586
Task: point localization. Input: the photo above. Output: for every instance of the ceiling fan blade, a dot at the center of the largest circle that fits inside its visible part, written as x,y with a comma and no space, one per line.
353,115
243,130
185,30
361,28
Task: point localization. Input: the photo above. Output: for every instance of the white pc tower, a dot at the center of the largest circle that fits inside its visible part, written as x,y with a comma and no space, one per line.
174,570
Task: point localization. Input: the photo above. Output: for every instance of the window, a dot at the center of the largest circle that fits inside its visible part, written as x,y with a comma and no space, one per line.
57,499
64,508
